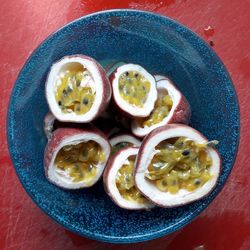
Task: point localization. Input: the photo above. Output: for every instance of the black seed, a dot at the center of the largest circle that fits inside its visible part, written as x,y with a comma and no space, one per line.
59,103
136,74
85,101
69,89
143,88
126,73
186,152
197,182
64,92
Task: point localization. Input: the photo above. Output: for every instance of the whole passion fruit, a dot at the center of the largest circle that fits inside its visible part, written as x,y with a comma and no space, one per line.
77,89
176,165
75,158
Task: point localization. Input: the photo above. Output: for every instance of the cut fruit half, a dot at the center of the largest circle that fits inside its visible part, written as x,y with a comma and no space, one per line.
123,140
134,90
75,158
119,181
171,107
77,89
176,165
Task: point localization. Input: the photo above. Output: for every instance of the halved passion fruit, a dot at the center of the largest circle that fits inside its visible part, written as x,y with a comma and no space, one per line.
134,90
77,89
75,158
176,165
171,107
123,140
119,181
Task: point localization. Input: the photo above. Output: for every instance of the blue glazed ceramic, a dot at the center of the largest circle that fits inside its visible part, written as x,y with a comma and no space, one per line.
162,46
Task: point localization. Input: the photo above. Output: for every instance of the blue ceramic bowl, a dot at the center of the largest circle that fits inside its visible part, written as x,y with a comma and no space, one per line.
162,46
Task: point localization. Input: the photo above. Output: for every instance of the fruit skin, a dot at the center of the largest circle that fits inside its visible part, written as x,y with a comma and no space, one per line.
119,137
182,112
106,95
142,151
58,136
119,110
105,178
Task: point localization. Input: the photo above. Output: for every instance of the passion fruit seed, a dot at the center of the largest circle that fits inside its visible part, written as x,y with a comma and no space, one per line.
80,160
180,163
120,145
134,88
125,182
71,96
161,110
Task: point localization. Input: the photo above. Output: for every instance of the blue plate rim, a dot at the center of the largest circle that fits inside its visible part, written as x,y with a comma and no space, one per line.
156,234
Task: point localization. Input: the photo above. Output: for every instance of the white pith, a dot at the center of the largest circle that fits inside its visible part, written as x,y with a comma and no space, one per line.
120,159
62,178
175,96
124,138
129,108
149,189
95,82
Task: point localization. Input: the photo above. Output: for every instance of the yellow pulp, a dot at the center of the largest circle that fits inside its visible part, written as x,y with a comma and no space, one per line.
162,108
125,182
80,160
180,164
71,96
120,145
134,88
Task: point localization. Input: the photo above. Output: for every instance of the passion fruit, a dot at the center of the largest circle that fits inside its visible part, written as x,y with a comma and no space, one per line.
171,107
134,90
119,181
123,140
176,165
75,158
77,89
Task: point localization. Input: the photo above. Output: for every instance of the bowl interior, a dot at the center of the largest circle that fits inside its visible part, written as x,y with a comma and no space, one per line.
159,44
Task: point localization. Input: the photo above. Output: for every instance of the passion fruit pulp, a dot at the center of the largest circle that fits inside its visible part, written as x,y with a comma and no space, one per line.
72,93
161,110
180,163
176,165
134,88
80,160
125,182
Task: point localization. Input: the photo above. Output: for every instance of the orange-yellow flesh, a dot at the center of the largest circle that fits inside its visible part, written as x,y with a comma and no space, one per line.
125,182
134,88
80,160
161,110
180,163
71,96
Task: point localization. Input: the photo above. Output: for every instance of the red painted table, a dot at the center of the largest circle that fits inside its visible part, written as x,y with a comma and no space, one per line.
24,24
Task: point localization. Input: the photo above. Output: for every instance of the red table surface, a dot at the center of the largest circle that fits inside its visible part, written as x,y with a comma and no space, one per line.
226,222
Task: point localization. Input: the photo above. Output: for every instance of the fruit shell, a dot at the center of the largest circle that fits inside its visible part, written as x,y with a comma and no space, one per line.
180,112
183,197
65,136
98,74
124,138
121,105
109,179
